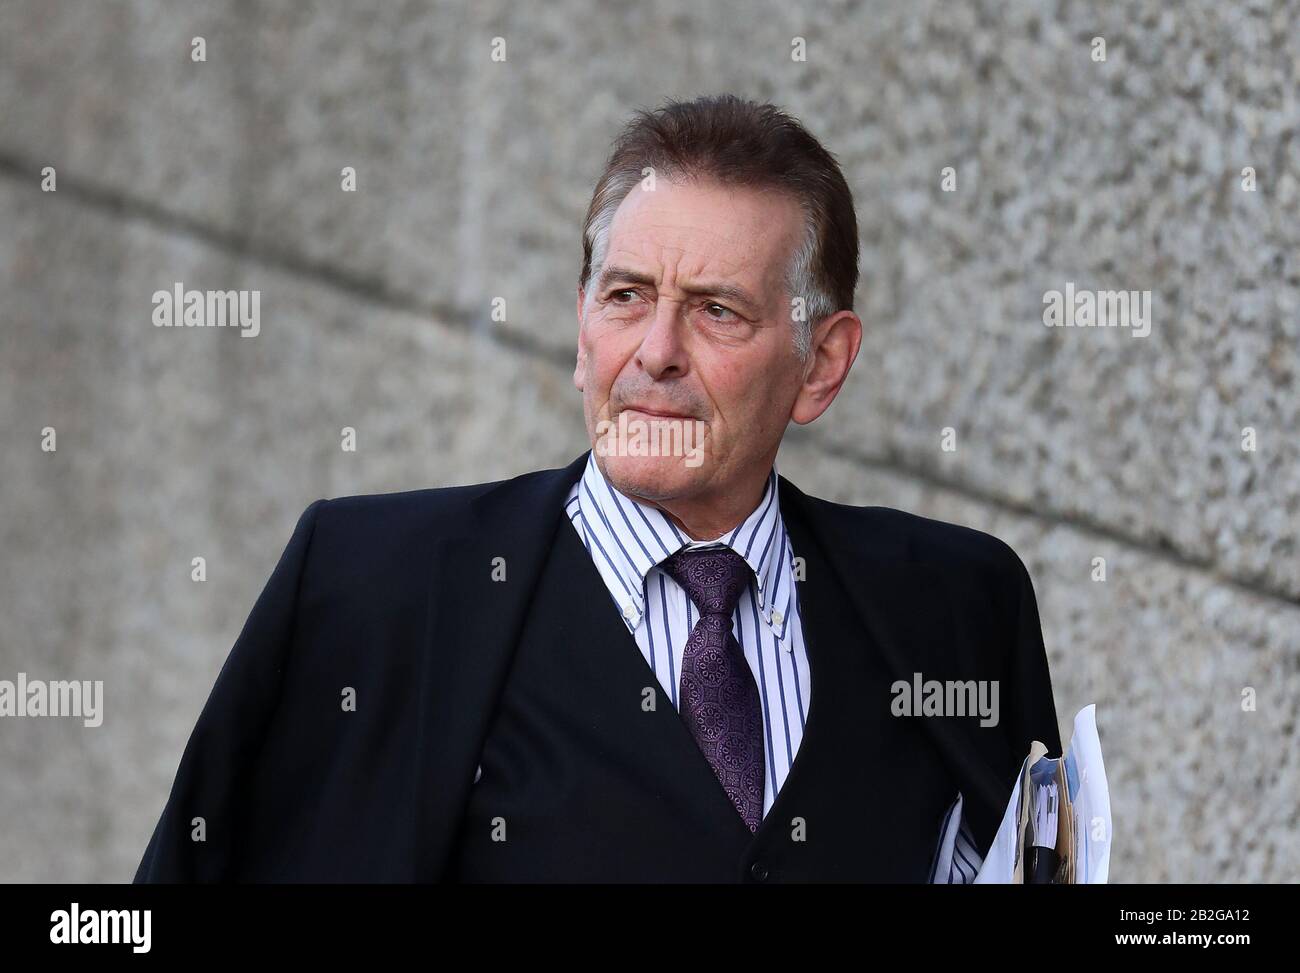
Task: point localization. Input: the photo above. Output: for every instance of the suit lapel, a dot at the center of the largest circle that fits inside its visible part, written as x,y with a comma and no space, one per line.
473,627
881,581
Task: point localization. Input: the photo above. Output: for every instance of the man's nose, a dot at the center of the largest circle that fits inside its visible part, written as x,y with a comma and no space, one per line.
662,352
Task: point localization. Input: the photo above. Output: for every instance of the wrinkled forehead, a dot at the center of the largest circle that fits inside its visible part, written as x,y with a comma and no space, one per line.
704,228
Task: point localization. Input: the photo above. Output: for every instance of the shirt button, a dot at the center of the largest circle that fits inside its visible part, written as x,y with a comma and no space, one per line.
629,611
759,871
777,618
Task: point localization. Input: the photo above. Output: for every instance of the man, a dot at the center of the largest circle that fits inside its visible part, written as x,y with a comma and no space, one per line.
663,662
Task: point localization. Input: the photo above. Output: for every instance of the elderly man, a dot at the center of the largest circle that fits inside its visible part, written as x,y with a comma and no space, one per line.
663,662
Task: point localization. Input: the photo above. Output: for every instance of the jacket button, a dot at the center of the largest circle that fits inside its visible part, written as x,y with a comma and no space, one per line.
759,871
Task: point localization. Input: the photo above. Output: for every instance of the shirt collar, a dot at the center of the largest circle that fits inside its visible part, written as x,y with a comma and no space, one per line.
632,538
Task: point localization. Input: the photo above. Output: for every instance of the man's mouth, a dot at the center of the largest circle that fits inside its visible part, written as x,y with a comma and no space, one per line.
656,413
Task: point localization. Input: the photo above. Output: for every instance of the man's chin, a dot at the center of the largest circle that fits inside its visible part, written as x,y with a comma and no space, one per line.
654,477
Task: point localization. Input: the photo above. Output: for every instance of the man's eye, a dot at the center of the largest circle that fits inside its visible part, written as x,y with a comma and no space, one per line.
615,295
719,313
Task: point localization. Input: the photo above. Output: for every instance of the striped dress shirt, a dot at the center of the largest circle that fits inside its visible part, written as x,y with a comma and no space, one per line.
957,860
628,541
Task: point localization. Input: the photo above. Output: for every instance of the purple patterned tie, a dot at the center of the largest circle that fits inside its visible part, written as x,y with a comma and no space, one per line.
719,698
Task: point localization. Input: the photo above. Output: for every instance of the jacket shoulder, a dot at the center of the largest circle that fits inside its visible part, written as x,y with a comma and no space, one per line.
364,540
902,536
411,509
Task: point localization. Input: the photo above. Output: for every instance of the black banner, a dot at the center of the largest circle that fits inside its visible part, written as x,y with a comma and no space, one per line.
336,922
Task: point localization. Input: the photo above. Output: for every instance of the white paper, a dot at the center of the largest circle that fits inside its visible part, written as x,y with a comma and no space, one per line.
1091,799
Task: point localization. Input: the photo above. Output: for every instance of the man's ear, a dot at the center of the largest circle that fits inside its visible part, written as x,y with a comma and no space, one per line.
835,344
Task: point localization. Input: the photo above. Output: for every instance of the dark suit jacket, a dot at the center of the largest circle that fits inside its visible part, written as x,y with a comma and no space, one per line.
392,596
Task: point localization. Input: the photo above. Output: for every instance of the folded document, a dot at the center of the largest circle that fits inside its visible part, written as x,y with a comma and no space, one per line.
1057,827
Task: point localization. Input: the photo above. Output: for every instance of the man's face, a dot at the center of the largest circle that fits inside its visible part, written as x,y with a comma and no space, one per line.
687,318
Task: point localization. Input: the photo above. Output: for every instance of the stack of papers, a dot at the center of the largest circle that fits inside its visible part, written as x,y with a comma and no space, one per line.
1056,829
1057,825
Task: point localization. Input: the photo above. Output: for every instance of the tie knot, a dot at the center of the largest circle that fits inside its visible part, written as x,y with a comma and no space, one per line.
714,577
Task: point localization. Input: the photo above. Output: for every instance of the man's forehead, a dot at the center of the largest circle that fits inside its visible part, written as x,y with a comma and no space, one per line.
654,257
707,235
704,211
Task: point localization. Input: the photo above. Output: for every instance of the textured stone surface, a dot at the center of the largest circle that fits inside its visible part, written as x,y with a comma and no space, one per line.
1116,175
473,179
176,443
